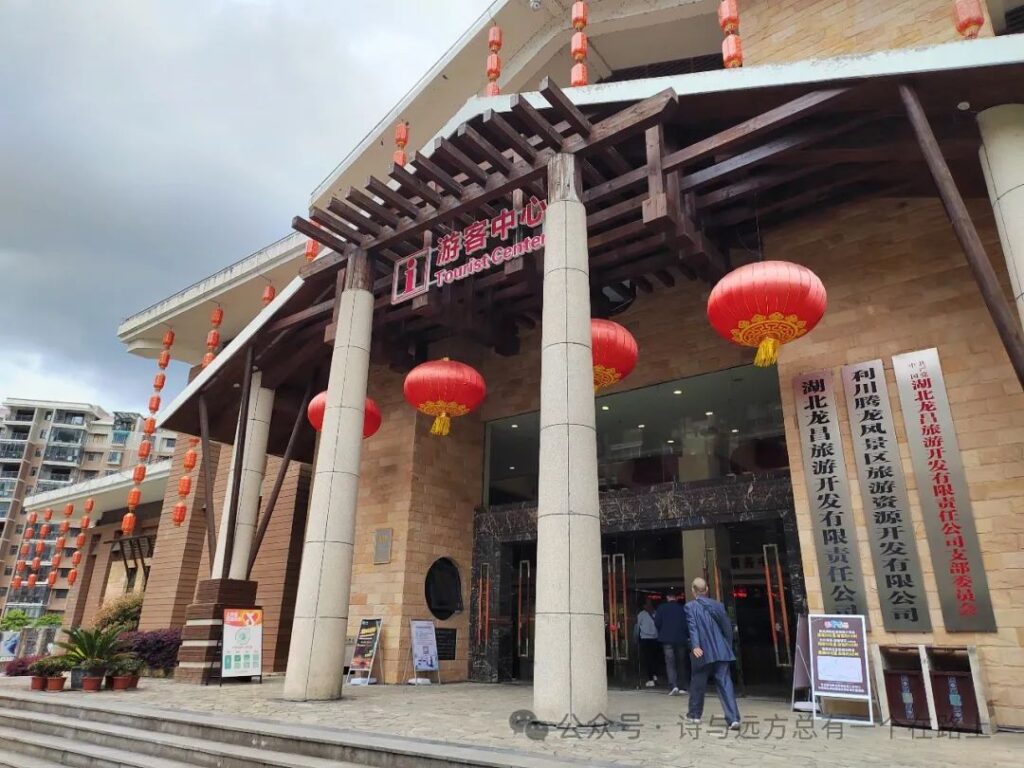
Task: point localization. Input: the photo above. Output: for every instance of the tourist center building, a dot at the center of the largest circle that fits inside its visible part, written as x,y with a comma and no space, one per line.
552,296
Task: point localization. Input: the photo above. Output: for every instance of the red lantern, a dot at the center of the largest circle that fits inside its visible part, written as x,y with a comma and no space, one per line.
312,249
766,304
72,577
149,426
179,512
189,460
493,66
36,562
24,549
40,546
84,522
184,486
729,16
31,520
80,540
16,582
401,141
494,41
318,405
19,567
164,359
30,533
134,497
31,581
579,75
58,544
89,506
139,473
615,352
55,560
69,510
48,514
65,526
76,558
217,317
270,293
44,530
442,389
732,52
213,339
207,359
154,403
144,448
168,338
158,381
494,38
51,579
968,17
578,48
128,523
580,15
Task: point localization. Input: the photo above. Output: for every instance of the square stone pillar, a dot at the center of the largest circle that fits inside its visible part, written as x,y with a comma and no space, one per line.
199,654
570,679
316,657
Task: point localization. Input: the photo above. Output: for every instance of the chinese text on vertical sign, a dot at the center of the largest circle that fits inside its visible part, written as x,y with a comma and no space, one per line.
942,486
828,492
886,506
415,274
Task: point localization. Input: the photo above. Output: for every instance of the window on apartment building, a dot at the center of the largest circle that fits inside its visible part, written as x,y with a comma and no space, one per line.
169,443
110,472
89,474
39,452
48,416
114,457
3,591
32,472
60,594
19,528
42,434
8,570
13,549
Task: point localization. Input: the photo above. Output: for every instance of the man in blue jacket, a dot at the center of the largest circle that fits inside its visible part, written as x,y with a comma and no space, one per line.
670,620
710,632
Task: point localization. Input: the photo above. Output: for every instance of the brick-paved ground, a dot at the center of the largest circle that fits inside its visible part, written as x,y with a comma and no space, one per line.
478,714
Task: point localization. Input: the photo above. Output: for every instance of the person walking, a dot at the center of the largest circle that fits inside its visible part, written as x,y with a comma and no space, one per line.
670,619
710,633
647,636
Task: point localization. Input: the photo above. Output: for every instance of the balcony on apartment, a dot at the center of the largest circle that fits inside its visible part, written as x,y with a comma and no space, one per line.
42,486
72,419
62,454
12,448
65,436
8,488
20,416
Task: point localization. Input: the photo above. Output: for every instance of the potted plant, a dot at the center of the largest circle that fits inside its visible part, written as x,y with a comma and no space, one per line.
39,669
94,651
93,672
126,674
52,668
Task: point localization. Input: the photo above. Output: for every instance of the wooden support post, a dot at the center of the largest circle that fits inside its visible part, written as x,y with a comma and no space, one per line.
238,459
1006,322
211,523
286,460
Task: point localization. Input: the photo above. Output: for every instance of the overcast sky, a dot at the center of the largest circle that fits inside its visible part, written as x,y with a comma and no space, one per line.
144,144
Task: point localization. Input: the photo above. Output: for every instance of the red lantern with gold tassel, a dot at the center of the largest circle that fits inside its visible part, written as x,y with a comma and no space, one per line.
31,581
48,514
494,41
51,578
732,52
59,543
578,46
144,449
55,560
128,523
31,519
312,246
90,505
24,549
80,541
615,352
729,16
139,473
65,526
40,546
190,459
159,380
30,533
76,558
16,582
401,142
371,414
19,567
44,530
765,305
72,577
36,562
968,17
443,389
179,512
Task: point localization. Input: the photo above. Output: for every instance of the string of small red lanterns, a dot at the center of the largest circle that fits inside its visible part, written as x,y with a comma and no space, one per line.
729,21
76,556
188,463
578,47
401,142
493,60
968,17
213,337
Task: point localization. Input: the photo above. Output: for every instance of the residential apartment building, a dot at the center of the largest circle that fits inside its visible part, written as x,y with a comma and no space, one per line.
48,446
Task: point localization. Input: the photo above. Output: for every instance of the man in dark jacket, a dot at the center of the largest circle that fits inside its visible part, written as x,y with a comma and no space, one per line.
710,632
670,619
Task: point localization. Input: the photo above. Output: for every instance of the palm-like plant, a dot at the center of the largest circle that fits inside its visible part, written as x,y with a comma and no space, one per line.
93,648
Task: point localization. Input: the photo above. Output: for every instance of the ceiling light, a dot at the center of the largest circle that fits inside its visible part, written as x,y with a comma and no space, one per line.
604,407
677,391
709,413
735,431
639,426
515,426
511,467
670,441
963,106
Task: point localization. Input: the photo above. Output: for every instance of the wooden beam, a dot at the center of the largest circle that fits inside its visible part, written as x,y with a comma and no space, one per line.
564,108
1004,318
599,192
392,197
535,121
665,278
238,461
433,172
211,521
753,186
783,115
484,147
275,491
499,126
302,317
459,159
356,218
371,206
321,235
409,181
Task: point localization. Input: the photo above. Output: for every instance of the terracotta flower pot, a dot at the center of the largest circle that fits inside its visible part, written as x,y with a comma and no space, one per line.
55,683
133,682
122,682
92,684
38,683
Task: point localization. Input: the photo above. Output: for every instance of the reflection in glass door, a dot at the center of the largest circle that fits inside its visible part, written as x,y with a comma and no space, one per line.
616,608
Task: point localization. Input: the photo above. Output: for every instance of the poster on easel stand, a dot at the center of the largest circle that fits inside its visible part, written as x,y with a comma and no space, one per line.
424,651
839,662
364,654
241,652
802,669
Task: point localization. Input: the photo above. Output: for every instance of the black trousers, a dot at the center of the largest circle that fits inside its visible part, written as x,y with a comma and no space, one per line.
650,655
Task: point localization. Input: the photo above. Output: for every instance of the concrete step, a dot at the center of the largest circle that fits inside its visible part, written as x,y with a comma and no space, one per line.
214,737
10,760
183,749
67,752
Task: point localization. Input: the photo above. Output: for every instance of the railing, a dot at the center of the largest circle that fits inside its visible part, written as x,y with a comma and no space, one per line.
68,455
71,421
20,417
9,475
66,437
7,488
120,437
50,485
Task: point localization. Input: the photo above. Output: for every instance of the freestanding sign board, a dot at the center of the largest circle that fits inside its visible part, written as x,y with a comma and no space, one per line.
839,660
365,651
242,648
9,644
424,647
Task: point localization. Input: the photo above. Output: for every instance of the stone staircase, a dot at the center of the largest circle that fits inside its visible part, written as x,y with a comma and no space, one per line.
39,730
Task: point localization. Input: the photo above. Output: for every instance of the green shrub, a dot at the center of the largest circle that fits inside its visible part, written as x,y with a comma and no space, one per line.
93,648
122,612
13,620
48,620
52,666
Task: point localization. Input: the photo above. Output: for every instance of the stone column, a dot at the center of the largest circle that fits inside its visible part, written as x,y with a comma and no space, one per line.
569,671
316,656
1002,160
254,466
